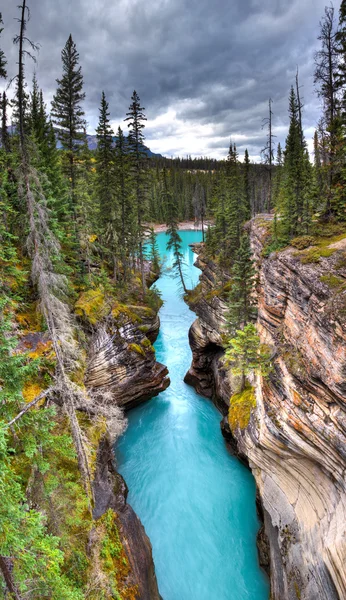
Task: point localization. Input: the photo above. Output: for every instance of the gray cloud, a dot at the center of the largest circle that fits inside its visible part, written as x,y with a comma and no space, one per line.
204,70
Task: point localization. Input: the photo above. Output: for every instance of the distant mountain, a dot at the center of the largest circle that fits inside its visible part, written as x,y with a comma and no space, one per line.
92,143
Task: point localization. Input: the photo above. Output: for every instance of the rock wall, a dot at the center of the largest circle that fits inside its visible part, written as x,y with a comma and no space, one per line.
110,492
295,441
122,361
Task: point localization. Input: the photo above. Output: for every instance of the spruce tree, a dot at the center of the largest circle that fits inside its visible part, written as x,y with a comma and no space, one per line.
5,138
326,80
242,305
67,111
295,198
246,354
247,187
3,61
235,210
174,241
105,184
136,123
124,193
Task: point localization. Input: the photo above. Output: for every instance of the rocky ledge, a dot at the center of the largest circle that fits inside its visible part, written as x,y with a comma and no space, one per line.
295,439
121,360
110,492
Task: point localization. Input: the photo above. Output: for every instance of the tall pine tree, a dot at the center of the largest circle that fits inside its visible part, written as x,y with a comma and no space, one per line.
136,123
68,113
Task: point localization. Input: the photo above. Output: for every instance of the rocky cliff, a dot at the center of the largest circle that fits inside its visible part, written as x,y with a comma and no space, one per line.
121,360
295,439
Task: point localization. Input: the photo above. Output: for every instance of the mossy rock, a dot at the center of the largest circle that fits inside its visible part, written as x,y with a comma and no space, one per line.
138,349
333,281
302,242
240,408
91,306
315,254
147,344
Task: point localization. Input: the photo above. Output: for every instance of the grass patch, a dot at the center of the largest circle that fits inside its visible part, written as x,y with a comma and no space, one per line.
138,349
321,247
332,281
91,306
240,408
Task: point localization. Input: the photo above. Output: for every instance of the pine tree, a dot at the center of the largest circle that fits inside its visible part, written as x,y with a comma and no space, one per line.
247,187
242,305
124,194
67,111
3,61
268,153
136,122
245,354
105,184
174,241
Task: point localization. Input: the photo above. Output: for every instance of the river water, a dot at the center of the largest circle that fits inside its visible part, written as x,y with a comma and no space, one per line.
196,501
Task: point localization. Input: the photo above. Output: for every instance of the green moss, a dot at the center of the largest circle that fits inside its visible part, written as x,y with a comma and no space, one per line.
147,344
91,306
321,247
332,281
110,556
297,590
302,242
138,349
194,295
315,253
240,408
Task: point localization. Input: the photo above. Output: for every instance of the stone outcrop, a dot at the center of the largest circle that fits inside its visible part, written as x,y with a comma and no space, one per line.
295,442
122,359
110,492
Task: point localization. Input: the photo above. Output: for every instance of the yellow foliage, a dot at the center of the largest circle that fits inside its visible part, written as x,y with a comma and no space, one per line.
43,349
119,310
241,404
91,305
31,390
29,320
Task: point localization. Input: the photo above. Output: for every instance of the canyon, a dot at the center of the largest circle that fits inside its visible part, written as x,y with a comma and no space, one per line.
295,439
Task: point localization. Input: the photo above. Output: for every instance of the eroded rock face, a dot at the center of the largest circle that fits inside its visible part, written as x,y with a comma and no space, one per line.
110,492
122,360
296,440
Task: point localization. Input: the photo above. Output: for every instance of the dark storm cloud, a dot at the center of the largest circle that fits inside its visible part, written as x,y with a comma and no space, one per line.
204,70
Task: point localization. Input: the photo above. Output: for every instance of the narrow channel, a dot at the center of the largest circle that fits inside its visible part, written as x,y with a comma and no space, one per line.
196,501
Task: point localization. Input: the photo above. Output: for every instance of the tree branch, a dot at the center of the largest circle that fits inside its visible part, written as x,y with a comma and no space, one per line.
30,405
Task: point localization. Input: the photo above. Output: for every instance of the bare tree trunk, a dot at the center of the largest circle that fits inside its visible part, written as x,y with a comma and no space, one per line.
5,566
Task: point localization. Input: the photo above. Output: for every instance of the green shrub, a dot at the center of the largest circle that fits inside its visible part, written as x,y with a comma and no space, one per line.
302,242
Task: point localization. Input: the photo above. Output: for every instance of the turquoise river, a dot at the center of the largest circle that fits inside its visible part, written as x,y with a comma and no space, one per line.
196,501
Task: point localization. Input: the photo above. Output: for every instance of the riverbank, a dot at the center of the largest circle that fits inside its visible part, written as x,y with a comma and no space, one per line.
183,226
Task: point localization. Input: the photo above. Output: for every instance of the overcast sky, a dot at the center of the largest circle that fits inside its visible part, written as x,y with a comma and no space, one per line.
204,69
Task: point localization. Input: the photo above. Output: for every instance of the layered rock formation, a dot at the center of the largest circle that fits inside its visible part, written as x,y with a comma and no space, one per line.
110,492
295,441
121,360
